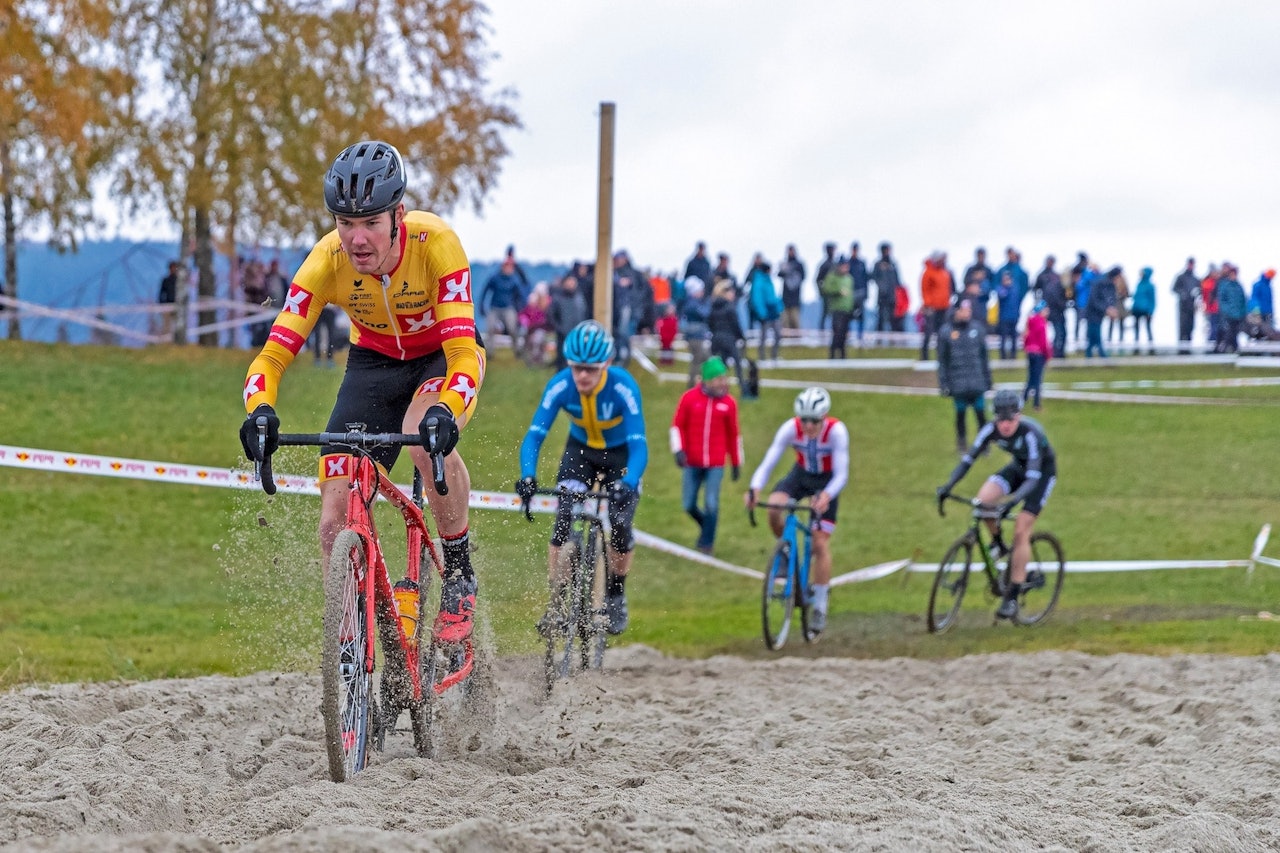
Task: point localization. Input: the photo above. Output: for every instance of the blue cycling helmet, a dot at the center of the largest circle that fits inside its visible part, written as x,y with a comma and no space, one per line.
588,343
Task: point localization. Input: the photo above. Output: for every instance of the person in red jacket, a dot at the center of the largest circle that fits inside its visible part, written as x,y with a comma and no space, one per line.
704,431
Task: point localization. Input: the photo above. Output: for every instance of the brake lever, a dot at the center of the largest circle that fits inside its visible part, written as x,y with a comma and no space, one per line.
262,465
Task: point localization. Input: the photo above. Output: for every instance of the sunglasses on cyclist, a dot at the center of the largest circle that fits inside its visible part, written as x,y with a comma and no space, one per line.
811,421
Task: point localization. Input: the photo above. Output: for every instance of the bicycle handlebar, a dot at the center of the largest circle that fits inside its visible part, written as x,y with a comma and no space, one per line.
562,492
789,506
980,509
355,438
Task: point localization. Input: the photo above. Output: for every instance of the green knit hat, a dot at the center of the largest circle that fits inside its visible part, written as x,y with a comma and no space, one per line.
713,367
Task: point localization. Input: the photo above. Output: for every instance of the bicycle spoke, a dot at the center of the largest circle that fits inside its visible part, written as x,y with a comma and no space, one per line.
949,585
347,688
1045,573
778,597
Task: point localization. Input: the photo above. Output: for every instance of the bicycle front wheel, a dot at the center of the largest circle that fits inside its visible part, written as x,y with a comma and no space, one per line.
779,597
949,585
1045,572
346,687
559,626
591,627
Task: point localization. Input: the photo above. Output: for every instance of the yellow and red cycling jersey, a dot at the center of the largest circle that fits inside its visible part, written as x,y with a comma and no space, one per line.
422,306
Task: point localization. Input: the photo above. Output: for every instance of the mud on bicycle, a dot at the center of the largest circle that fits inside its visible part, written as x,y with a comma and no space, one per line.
362,603
575,614
1036,596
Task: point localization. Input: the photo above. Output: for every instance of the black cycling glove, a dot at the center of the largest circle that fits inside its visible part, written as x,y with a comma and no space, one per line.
439,430
622,496
526,488
249,433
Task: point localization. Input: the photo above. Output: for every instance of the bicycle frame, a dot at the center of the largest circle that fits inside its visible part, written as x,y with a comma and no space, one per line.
979,515
366,482
795,588
792,531
585,606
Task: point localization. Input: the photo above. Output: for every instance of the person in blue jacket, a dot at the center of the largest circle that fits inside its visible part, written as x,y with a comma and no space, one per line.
1142,307
763,303
1261,296
606,442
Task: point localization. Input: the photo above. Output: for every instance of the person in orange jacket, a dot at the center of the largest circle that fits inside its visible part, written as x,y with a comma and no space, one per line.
936,289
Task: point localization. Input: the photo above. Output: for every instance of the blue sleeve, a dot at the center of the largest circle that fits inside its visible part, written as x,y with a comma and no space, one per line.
543,416
633,423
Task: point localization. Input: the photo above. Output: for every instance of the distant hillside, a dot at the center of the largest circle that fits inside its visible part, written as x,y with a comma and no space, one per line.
122,273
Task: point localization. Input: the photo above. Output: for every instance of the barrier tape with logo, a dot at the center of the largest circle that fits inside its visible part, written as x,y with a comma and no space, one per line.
65,462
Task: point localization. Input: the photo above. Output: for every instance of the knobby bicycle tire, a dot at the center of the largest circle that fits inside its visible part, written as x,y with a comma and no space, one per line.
1037,602
778,597
949,584
591,629
422,715
347,690
563,633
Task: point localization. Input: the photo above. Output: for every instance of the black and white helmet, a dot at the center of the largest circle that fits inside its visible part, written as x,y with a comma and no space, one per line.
813,403
365,179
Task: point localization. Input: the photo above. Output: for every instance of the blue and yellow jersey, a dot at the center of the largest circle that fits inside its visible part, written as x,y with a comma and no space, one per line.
609,416
422,306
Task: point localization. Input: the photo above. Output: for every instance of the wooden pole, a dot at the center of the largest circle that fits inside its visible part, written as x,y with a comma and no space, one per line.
604,221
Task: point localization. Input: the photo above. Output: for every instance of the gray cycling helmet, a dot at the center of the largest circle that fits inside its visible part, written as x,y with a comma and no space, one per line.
1006,404
366,179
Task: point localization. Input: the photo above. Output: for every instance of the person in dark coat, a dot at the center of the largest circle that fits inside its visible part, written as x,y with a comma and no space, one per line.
727,338
964,373
568,308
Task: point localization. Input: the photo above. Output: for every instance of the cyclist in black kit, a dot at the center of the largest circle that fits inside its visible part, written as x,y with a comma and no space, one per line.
1029,477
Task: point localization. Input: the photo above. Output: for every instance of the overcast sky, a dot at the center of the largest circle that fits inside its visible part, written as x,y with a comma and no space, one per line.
1140,132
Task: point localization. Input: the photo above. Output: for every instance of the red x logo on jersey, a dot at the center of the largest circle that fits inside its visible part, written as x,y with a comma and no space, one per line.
465,386
457,287
298,301
431,386
418,322
255,384
336,466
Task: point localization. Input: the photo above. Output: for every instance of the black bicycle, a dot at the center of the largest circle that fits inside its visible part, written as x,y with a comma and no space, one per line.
575,616
1037,595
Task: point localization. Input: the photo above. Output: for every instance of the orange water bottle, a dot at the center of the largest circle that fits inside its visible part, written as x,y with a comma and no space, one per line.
405,593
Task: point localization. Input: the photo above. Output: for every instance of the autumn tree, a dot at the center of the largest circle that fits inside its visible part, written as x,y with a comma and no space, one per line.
255,97
63,107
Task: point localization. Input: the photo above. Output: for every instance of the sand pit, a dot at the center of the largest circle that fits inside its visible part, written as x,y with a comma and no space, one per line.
1057,751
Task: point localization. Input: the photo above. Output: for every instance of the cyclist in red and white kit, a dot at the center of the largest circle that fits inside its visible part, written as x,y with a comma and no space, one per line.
821,444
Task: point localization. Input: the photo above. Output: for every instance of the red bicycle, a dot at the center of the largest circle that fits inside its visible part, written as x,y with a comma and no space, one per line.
361,602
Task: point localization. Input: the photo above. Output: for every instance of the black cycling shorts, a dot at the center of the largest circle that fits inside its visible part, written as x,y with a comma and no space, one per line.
799,483
1012,476
580,468
376,391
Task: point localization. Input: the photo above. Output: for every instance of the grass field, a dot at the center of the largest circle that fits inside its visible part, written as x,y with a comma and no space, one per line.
103,578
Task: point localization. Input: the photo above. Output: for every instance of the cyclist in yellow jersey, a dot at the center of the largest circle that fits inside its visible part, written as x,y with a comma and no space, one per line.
415,364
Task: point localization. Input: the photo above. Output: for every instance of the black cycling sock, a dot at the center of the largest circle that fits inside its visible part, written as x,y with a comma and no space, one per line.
613,584
457,554
960,425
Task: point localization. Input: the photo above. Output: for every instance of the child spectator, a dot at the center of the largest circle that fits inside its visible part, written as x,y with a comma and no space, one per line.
668,327
535,326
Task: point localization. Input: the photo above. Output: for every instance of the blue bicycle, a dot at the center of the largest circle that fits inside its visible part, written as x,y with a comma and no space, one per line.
786,580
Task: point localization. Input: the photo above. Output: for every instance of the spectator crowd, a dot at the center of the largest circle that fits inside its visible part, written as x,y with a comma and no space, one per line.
1083,304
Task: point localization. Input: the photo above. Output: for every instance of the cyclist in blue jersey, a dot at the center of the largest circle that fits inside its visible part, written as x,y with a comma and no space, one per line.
606,443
